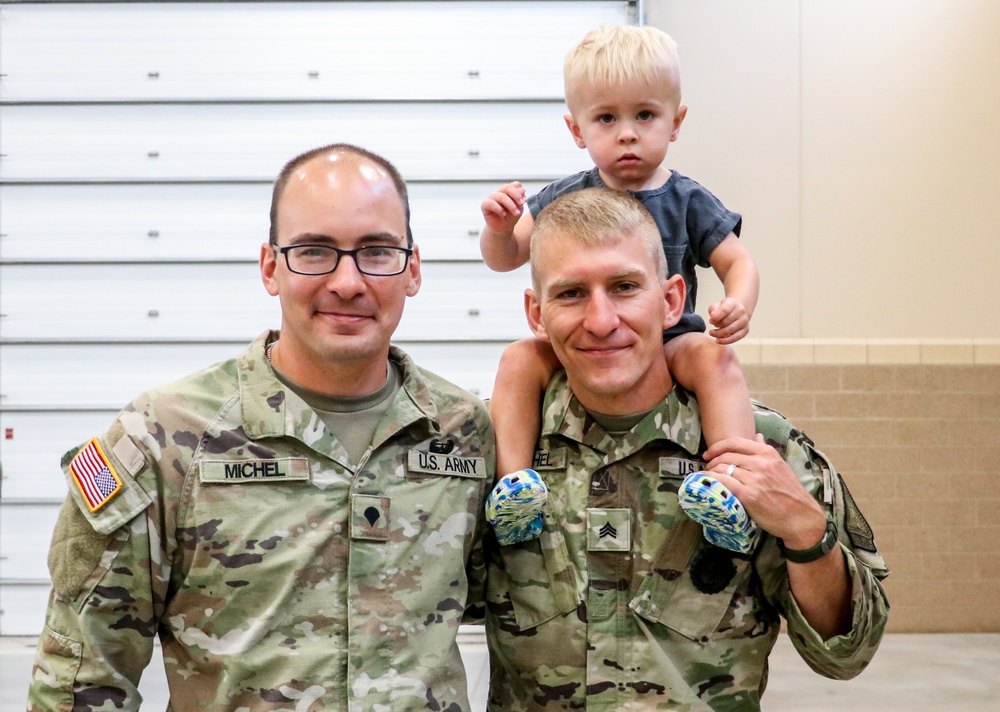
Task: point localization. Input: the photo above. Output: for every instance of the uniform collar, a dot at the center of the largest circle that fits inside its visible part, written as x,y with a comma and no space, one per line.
676,418
269,409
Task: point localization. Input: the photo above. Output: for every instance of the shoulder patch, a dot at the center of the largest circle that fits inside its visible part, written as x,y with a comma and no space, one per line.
857,527
95,476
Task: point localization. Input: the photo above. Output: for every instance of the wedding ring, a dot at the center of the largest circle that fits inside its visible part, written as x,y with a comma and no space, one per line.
730,470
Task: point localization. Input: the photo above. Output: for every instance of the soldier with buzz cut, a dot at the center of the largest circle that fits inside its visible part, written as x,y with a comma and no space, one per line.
623,602
300,525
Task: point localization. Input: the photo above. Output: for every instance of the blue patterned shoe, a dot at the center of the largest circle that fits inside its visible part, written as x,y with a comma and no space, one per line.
515,505
725,521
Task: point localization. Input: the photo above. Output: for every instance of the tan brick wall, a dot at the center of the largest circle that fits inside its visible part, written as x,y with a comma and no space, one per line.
919,447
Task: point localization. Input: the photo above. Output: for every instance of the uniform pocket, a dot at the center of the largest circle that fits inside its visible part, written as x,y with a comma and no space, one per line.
693,601
58,662
541,583
691,583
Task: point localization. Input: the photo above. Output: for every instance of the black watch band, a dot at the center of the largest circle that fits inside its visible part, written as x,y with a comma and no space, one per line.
804,556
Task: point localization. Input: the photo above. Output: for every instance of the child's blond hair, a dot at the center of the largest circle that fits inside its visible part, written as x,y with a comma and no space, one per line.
613,55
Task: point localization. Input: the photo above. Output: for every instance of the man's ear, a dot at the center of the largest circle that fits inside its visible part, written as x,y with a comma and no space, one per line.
268,264
675,295
533,310
574,128
413,273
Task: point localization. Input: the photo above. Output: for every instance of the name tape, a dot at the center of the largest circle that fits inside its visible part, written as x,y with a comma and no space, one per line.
289,469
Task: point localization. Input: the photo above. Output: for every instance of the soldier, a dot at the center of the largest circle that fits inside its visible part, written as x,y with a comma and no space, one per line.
621,603
300,525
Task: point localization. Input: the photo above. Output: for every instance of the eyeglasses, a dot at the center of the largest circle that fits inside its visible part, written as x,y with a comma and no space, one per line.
373,260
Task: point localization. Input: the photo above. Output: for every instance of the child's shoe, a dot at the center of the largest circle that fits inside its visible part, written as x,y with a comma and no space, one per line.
726,523
515,505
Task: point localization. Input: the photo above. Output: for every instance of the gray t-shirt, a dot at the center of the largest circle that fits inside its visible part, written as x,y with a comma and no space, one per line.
352,419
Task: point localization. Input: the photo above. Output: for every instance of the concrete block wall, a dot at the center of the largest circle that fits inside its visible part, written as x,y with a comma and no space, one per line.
914,428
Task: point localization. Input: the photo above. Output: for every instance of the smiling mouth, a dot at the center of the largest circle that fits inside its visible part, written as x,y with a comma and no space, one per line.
347,317
600,351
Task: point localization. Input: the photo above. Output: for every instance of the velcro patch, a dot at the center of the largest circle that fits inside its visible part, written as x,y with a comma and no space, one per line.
609,529
549,459
95,476
369,517
129,455
295,469
438,464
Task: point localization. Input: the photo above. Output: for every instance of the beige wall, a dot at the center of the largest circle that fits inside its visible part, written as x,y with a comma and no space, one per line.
918,446
860,140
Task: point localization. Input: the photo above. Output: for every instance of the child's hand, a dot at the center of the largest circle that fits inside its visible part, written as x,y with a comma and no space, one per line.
502,209
730,319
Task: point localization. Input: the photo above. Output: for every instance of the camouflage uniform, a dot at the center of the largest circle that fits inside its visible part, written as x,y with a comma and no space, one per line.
621,605
275,579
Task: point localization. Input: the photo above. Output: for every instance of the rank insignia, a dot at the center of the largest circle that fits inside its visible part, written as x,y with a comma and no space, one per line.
370,517
95,476
609,529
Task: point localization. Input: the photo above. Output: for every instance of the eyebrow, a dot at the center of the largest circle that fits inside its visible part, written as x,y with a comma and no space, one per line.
574,283
372,238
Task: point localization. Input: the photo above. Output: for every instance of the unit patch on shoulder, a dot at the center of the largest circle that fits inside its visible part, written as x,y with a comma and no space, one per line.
858,529
95,476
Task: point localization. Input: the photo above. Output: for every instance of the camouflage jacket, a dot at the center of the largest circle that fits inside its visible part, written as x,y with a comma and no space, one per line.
274,578
617,606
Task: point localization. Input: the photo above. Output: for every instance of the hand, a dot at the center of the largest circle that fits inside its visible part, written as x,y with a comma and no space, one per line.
768,489
730,319
502,209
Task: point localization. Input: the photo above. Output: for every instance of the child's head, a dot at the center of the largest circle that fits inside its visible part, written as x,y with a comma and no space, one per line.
614,56
623,92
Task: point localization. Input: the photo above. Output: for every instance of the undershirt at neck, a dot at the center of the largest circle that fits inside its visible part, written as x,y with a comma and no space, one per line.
351,419
618,424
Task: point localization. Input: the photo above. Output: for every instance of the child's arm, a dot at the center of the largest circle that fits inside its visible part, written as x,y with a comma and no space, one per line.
524,372
506,239
736,269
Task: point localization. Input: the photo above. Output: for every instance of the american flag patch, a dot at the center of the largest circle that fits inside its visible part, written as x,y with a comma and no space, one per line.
94,475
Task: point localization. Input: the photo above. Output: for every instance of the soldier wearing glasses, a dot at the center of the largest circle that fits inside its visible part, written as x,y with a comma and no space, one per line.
298,525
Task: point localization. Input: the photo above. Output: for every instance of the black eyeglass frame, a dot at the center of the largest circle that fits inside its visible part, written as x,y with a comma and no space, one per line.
353,254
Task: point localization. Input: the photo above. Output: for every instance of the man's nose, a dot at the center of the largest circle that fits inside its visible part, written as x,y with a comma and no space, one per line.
346,280
600,318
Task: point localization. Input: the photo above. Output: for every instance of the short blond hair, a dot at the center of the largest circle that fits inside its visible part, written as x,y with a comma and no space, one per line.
615,55
595,217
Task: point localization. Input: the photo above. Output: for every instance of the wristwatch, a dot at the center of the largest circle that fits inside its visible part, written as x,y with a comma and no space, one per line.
804,556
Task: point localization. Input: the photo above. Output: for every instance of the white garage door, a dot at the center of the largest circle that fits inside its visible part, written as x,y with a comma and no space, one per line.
137,146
